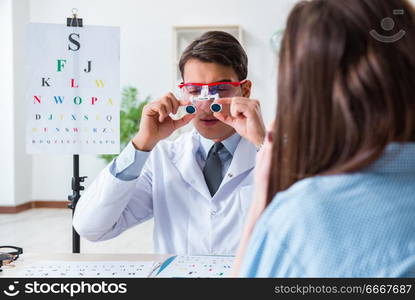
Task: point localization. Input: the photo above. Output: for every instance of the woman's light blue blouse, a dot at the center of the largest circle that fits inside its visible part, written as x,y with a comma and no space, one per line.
352,225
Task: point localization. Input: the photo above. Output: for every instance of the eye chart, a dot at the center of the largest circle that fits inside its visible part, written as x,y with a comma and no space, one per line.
73,96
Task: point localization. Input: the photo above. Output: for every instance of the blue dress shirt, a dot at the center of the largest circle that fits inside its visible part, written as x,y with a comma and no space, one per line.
350,225
128,165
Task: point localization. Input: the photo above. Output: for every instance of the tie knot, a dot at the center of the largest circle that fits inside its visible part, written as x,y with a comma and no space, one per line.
216,147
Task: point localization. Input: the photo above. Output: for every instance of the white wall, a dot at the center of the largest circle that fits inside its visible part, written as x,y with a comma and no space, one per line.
15,178
6,105
146,56
23,161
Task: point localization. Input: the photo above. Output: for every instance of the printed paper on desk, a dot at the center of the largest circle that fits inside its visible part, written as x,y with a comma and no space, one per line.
197,266
93,269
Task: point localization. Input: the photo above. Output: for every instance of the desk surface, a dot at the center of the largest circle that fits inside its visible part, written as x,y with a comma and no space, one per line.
29,258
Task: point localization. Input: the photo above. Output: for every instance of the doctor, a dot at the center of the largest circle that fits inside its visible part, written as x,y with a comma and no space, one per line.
198,188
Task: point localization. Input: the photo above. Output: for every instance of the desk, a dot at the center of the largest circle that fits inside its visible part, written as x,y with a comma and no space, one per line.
29,258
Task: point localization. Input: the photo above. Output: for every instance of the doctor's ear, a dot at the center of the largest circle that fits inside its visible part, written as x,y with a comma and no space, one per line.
246,88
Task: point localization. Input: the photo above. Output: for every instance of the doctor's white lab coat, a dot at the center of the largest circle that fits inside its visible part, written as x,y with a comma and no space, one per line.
171,188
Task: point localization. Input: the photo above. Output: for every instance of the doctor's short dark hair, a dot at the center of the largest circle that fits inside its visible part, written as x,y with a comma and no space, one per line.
217,47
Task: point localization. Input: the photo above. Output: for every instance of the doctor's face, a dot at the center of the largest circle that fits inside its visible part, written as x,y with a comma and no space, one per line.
196,71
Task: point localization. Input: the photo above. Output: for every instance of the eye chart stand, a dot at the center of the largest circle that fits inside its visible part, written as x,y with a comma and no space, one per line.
76,188
76,179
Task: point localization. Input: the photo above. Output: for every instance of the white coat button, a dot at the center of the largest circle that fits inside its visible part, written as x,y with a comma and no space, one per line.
213,212
230,175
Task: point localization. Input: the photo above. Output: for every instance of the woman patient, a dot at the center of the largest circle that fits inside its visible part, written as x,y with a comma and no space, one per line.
335,181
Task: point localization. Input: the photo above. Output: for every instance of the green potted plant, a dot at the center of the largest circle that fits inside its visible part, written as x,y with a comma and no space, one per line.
130,116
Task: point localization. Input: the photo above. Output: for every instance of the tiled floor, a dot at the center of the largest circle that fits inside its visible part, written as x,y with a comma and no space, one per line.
49,230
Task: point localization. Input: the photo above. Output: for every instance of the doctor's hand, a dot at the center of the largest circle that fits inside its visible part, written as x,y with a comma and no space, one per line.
244,115
156,124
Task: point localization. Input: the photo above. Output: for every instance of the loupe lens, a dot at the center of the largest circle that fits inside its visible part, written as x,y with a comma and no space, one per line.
190,109
215,107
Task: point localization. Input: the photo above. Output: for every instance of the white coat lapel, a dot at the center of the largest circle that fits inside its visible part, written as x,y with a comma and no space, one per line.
184,158
243,160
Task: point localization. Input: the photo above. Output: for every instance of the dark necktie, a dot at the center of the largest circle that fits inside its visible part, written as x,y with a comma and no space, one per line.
213,169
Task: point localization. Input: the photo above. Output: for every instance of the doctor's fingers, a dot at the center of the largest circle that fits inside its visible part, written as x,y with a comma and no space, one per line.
223,117
172,103
244,109
176,103
239,105
156,109
173,98
183,121
163,108
162,112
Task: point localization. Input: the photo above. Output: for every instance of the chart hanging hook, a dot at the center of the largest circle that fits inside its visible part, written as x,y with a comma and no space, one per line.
74,21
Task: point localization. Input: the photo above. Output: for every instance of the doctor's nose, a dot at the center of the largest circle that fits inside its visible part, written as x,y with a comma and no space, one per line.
204,106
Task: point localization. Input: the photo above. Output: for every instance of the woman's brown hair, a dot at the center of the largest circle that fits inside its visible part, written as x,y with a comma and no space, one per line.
343,94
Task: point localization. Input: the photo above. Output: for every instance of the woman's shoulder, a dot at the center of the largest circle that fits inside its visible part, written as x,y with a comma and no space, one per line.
334,199
311,197
318,188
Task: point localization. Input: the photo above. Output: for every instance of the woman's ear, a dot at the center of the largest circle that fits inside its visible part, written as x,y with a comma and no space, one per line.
246,88
270,135
270,131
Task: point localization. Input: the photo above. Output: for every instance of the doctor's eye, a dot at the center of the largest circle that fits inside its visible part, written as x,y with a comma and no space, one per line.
193,90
